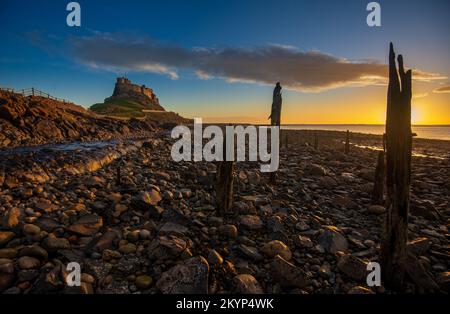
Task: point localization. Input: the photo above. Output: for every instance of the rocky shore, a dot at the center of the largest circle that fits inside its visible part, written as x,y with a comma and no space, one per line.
138,222
36,120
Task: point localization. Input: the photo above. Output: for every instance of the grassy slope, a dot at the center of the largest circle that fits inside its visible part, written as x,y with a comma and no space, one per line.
120,108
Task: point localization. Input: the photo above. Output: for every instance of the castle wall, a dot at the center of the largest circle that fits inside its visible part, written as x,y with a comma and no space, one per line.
125,89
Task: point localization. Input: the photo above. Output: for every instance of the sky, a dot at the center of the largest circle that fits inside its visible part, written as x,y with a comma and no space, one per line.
220,59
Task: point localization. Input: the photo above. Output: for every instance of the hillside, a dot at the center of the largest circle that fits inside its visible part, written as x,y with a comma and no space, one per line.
120,108
31,120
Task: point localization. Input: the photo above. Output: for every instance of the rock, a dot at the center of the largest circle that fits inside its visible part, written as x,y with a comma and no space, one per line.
327,182
325,271
277,247
6,266
360,290
303,242
27,262
127,248
353,267
333,241
133,236
87,225
156,211
190,277
115,197
108,255
44,205
166,247
287,274
246,284
443,280
228,231
106,241
144,200
53,244
5,237
173,228
143,282
48,224
275,224
316,170
250,252
34,251
214,258
251,222
144,234
11,218
6,280
30,229
376,209
95,181
119,209
302,226
8,253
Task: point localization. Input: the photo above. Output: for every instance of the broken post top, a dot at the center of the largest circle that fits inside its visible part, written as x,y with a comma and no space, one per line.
399,82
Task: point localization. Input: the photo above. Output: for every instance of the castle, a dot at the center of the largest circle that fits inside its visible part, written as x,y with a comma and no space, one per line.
124,89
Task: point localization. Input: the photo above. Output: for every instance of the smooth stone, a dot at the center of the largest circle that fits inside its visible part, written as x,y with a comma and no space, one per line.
246,284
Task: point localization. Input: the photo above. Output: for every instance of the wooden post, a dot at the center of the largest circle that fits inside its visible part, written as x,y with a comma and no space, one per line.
286,141
224,184
316,141
378,186
32,91
398,173
384,142
347,142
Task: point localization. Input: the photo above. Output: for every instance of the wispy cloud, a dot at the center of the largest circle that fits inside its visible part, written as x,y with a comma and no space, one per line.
310,71
442,90
419,95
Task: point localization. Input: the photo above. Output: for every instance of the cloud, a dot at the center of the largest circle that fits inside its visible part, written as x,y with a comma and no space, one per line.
442,90
419,95
299,70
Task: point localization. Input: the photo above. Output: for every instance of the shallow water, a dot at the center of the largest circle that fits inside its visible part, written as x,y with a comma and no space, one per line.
438,132
63,147
414,154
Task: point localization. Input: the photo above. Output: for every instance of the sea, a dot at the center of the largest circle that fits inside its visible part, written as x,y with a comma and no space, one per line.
438,132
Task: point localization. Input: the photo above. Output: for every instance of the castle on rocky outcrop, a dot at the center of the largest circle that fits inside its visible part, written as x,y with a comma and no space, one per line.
124,89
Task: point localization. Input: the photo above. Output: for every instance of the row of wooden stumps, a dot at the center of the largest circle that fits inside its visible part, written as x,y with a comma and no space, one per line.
396,261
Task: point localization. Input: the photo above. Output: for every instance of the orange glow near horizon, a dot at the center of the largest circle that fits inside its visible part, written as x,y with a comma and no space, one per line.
351,107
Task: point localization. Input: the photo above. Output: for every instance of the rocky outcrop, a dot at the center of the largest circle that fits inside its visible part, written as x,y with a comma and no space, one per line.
37,120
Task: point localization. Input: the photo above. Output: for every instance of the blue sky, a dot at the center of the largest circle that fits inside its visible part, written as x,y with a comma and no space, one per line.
37,48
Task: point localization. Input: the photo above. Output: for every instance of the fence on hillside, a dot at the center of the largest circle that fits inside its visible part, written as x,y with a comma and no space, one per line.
33,92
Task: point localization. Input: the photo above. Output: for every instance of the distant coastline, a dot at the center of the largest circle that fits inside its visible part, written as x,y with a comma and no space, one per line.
438,132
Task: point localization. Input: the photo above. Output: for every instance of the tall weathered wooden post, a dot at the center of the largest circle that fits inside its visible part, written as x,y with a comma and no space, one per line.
275,117
347,142
398,173
378,186
224,183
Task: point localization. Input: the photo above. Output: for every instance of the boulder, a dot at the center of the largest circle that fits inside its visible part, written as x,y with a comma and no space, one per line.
287,274
190,277
246,284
